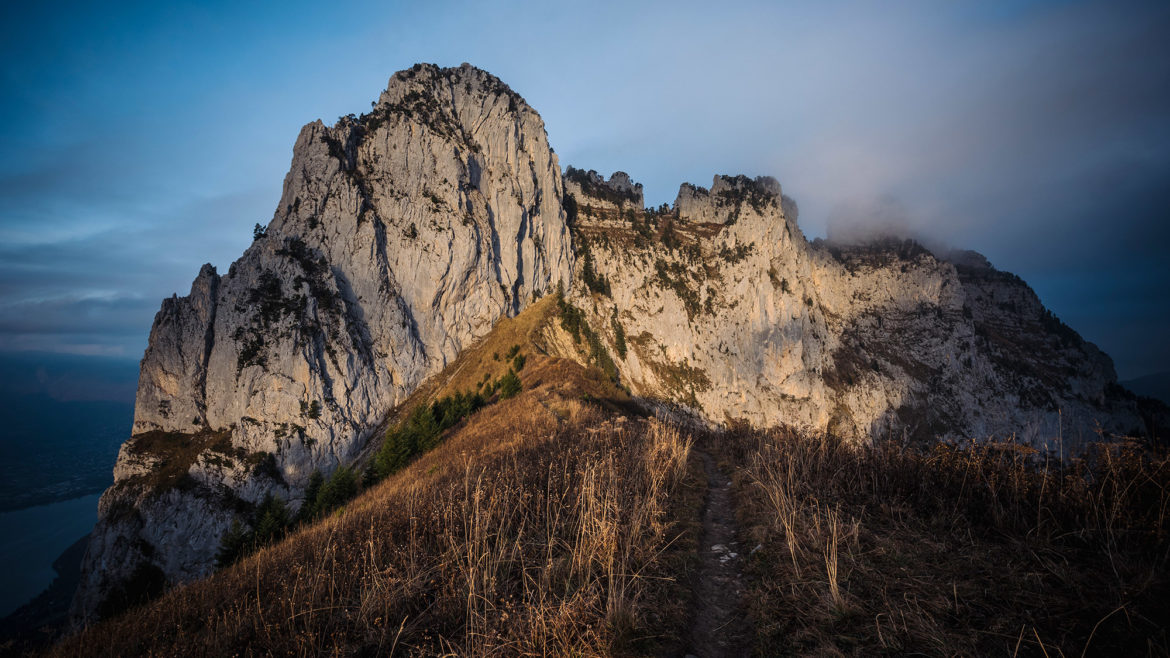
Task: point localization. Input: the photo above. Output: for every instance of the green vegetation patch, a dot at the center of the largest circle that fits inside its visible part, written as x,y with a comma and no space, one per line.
423,428
619,334
573,320
743,191
674,276
682,379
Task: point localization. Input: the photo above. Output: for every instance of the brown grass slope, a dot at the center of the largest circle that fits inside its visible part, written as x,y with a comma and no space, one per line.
542,525
539,337
559,523
983,550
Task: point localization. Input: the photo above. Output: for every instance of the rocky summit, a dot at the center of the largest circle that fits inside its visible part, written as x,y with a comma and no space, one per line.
404,235
724,307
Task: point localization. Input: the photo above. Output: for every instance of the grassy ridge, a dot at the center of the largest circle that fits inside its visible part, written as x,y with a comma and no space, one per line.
984,550
542,525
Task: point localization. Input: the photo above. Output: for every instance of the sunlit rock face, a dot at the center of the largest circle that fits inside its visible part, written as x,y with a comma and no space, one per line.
727,309
400,238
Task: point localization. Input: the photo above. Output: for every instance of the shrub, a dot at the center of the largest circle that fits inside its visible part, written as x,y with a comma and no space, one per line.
312,410
737,253
369,476
570,205
509,385
596,283
593,185
312,491
669,237
421,430
573,321
272,518
340,487
674,276
619,335
234,544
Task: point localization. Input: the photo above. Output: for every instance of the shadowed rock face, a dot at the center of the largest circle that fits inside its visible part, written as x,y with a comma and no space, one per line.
400,238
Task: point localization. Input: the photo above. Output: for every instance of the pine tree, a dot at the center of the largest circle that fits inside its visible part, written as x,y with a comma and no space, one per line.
509,385
341,487
312,493
272,518
370,475
234,544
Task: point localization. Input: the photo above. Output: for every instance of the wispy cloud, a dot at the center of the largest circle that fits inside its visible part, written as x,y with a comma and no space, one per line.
137,142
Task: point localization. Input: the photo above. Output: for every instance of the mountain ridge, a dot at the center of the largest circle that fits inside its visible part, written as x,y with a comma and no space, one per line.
562,519
405,235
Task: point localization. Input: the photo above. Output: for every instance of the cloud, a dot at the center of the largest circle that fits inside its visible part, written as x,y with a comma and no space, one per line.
97,293
137,143
114,326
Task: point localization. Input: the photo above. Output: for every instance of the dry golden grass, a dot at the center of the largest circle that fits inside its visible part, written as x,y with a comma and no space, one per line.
542,526
535,331
525,330
985,550
559,523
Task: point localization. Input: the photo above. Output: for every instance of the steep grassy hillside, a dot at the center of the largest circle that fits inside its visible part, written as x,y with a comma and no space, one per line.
561,520
540,525
989,549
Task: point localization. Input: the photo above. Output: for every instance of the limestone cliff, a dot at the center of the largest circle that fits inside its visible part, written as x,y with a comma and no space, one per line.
400,238
724,307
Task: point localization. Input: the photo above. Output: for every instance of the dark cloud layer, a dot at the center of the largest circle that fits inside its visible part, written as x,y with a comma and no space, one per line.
138,141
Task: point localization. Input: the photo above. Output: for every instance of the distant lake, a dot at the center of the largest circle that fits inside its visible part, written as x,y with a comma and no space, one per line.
32,539
62,419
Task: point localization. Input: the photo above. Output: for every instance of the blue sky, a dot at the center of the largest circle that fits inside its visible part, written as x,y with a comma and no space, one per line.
140,140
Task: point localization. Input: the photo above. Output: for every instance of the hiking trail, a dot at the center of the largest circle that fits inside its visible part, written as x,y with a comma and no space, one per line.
720,627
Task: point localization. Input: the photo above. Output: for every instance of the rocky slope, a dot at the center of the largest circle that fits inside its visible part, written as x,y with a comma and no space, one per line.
404,235
724,307
400,238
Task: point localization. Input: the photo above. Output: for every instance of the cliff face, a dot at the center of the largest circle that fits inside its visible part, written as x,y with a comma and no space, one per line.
725,308
400,238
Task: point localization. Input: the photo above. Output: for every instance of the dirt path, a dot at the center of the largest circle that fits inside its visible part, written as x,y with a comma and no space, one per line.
720,628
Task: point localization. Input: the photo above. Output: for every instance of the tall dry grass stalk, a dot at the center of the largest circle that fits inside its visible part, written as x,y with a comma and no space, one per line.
831,562
951,549
528,532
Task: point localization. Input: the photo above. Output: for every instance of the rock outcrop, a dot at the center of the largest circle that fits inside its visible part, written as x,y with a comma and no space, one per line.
403,235
724,307
400,238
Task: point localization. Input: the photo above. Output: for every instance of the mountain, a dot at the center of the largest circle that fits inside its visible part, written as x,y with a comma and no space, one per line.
562,519
1155,386
728,309
403,236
